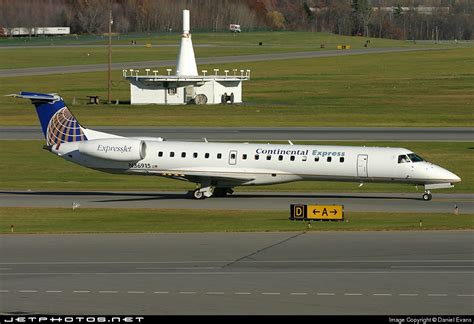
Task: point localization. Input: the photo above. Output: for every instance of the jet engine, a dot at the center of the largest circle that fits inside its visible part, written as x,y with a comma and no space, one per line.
114,149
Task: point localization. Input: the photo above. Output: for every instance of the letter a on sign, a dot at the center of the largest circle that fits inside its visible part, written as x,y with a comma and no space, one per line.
325,212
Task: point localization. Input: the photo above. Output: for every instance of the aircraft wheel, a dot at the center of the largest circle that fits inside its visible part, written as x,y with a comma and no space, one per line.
427,197
197,194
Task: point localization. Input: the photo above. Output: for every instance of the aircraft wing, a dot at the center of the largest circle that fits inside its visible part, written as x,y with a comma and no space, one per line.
220,180
215,177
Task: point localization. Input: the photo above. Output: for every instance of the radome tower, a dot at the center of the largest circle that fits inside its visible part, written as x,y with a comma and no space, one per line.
186,62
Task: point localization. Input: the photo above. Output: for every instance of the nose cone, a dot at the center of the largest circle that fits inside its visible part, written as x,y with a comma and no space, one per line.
447,176
455,178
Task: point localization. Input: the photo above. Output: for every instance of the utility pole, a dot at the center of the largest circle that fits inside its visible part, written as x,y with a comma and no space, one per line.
109,94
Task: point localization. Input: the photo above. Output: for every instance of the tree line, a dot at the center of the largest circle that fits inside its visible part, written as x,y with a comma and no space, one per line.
397,19
91,16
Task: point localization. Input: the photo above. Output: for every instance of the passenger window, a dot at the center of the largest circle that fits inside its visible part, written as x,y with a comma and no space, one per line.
244,156
171,154
316,159
292,158
195,155
269,157
304,158
219,155
257,156
183,154
160,154
280,158
341,159
206,155
329,159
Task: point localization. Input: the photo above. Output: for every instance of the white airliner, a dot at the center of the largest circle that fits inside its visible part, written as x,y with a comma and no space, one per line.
219,167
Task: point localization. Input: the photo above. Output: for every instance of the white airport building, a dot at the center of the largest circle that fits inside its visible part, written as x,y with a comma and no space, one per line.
186,85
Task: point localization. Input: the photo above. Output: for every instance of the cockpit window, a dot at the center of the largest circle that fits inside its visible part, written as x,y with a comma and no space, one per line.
415,158
403,159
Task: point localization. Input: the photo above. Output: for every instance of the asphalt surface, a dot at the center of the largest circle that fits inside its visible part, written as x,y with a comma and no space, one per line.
369,202
209,60
239,273
452,134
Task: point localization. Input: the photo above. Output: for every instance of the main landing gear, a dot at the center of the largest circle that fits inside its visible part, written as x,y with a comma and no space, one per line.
203,192
197,194
206,192
222,192
427,196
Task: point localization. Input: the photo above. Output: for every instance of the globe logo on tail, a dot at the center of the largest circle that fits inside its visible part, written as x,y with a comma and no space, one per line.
63,127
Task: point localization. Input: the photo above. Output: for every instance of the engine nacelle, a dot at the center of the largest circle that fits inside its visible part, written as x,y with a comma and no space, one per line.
114,149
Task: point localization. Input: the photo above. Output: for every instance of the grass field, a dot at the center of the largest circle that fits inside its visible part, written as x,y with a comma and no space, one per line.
57,220
428,88
25,165
13,58
216,44
270,38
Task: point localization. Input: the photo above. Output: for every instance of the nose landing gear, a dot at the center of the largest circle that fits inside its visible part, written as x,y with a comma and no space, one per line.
427,196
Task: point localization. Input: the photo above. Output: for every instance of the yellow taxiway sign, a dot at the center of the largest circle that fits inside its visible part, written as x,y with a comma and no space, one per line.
317,212
325,212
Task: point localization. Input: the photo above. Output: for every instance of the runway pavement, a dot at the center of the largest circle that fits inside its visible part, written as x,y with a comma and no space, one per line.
209,60
452,134
239,273
369,202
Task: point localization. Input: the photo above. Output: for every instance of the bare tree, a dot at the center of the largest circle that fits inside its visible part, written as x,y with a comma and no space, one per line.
363,13
92,15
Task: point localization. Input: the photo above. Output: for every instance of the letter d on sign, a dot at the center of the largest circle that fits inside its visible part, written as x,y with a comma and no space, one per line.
298,212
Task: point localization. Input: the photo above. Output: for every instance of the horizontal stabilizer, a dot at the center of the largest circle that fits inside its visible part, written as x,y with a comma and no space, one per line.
37,96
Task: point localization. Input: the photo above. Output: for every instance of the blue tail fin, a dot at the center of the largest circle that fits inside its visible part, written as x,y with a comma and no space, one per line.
58,123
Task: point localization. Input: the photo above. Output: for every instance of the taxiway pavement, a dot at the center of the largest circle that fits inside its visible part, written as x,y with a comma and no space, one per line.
239,273
368,202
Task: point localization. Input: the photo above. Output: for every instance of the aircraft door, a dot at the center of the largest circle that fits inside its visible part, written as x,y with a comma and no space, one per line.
362,160
232,157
